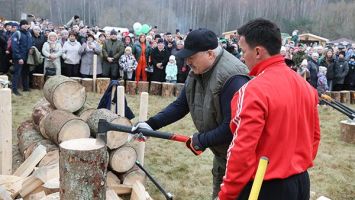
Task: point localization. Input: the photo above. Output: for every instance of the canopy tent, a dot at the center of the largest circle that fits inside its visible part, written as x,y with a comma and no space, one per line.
308,38
343,41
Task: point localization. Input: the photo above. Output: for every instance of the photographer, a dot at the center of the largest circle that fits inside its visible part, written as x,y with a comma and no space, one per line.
75,20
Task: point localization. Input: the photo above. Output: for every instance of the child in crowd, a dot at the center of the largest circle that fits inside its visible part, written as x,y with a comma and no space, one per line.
171,70
128,63
322,84
303,70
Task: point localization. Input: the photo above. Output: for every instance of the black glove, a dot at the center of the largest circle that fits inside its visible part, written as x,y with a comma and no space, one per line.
194,145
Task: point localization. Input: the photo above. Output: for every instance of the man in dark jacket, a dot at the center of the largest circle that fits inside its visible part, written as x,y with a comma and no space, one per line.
112,50
313,69
21,43
160,58
350,78
341,69
38,41
214,77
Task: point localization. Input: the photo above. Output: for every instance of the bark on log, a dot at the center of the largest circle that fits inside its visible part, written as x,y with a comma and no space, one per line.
155,88
102,84
345,97
64,93
85,112
117,139
83,168
335,95
61,126
347,130
168,89
87,83
77,79
133,175
93,120
41,109
143,86
352,97
178,89
37,81
131,87
123,159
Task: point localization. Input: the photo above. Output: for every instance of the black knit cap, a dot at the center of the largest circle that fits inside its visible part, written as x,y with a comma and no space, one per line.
23,22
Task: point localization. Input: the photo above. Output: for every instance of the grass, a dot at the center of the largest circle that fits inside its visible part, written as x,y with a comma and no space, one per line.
189,177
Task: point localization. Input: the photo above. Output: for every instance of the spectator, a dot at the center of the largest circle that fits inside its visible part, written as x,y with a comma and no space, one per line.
313,69
160,57
303,70
128,63
171,70
341,69
127,42
112,50
322,85
64,34
3,46
87,52
102,39
141,51
71,56
52,50
75,20
328,62
350,78
183,69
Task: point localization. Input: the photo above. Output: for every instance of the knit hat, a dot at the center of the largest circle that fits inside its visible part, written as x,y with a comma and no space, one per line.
113,32
23,22
322,69
304,62
172,57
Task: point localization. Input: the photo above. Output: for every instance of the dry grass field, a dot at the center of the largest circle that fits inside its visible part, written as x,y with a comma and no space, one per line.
189,177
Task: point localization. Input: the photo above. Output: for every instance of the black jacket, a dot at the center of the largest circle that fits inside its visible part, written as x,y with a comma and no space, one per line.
159,57
38,41
330,67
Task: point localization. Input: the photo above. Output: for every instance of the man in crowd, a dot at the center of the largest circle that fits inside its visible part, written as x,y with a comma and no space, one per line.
214,77
274,115
112,50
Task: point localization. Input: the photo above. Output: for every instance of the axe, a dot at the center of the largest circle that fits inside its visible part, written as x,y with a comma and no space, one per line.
105,126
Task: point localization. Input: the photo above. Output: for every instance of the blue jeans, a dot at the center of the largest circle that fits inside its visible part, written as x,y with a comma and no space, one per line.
23,71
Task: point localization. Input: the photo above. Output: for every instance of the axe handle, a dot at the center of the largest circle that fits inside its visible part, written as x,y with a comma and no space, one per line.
148,133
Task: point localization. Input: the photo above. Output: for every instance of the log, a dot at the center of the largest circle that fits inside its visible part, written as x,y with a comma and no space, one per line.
168,89
116,139
155,88
112,179
345,97
50,158
37,81
102,84
143,86
5,131
143,116
121,189
85,112
64,93
133,175
93,120
347,131
83,168
131,87
41,109
77,79
46,78
123,159
12,184
30,163
111,195
178,89
87,83
352,97
61,125
138,192
31,184
335,95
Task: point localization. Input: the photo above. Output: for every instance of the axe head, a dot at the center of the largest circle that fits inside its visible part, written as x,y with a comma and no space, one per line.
101,135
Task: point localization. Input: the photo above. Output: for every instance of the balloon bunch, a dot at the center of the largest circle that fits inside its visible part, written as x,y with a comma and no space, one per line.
139,28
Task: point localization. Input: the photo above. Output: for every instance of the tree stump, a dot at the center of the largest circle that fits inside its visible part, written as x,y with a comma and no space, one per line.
82,169
131,87
133,175
168,89
143,86
116,139
85,112
345,97
41,109
37,81
178,89
155,88
77,79
93,120
102,84
64,93
87,83
61,126
352,97
347,130
335,95
123,159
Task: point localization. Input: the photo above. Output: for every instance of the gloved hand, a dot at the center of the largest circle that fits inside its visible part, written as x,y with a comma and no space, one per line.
139,136
194,145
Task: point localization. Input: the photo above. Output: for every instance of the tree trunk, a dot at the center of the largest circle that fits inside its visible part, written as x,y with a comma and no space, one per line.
345,97
77,79
41,109
61,126
64,93
131,87
155,88
85,112
123,159
116,139
37,81
133,175
82,168
93,120
87,83
347,130
179,87
102,84
112,179
352,97
143,86
168,89
335,95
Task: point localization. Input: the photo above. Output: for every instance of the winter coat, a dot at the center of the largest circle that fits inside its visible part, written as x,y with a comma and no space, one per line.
159,57
350,78
322,83
341,69
55,49
38,42
71,53
87,57
313,70
171,72
4,61
137,51
112,48
35,58
128,63
183,69
330,67
21,42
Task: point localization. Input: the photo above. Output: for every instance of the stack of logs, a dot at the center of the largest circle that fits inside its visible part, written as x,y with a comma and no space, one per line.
347,97
62,116
132,87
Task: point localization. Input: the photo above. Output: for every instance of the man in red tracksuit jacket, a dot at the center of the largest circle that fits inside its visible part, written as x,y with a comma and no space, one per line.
274,115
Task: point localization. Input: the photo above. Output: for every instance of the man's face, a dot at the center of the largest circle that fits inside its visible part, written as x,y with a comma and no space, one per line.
14,29
76,28
1,26
169,38
8,28
50,26
200,62
160,46
248,53
113,37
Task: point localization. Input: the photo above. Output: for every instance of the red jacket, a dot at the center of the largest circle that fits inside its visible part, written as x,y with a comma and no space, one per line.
274,115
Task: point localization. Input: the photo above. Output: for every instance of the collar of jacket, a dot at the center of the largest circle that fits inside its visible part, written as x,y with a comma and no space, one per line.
261,66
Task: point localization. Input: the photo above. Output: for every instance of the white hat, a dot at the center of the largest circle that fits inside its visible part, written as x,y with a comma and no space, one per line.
172,57
322,69
283,48
315,54
304,62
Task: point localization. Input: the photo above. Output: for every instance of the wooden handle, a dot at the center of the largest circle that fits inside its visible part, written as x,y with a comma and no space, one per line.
143,116
260,173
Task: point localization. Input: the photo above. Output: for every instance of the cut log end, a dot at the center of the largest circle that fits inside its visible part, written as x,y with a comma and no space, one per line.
82,144
117,139
74,129
123,159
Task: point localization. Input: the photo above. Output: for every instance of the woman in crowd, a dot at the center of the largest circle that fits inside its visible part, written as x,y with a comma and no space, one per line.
328,62
71,56
52,50
141,51
88,50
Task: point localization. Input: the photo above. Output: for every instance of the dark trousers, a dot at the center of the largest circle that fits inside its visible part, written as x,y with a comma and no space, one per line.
22,71
71,70
296,187
218,171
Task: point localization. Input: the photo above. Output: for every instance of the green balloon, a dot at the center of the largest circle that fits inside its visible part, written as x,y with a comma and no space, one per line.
138,32
145,28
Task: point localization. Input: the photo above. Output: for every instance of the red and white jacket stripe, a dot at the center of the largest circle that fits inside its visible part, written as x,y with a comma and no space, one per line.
274,115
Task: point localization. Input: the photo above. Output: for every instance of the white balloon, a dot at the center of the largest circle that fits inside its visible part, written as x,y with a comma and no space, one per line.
137,26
